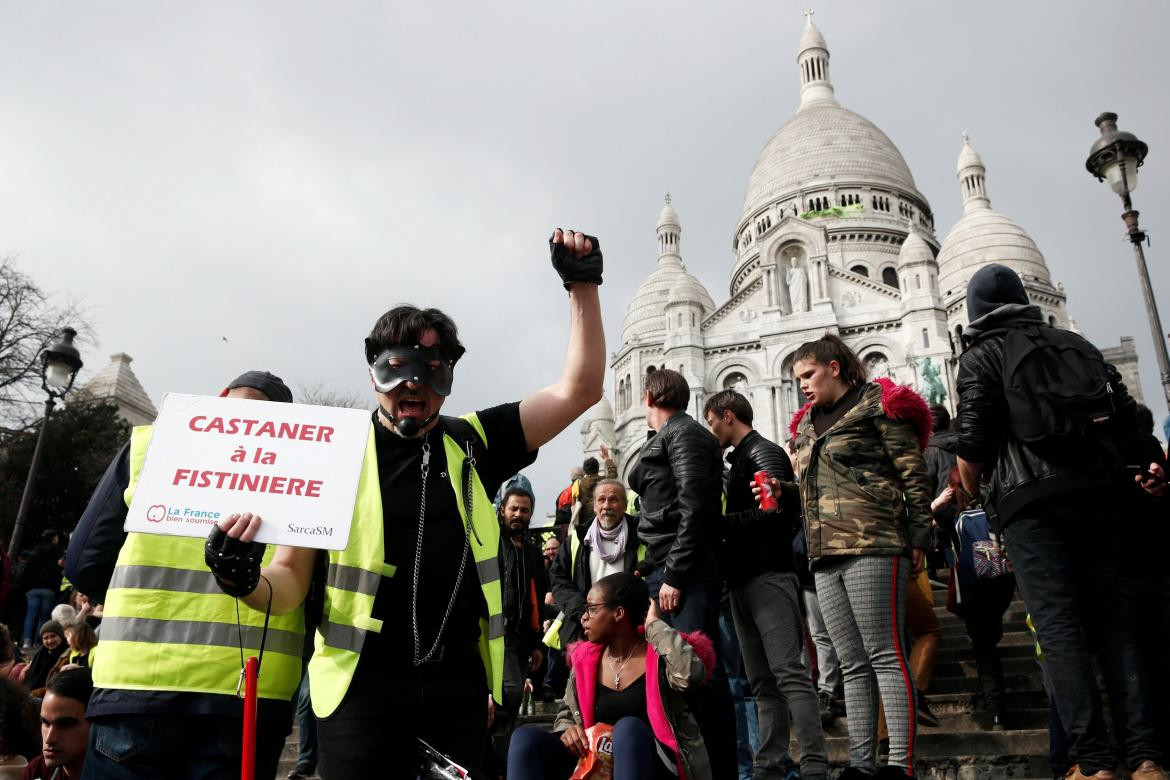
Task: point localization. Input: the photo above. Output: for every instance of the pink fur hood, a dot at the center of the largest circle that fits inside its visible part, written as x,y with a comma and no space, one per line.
899,402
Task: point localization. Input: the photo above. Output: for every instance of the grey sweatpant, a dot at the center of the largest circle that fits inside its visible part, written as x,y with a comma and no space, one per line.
771,635
863,599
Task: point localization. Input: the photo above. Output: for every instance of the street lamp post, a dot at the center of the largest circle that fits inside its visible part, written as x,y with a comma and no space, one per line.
1116,157
59,366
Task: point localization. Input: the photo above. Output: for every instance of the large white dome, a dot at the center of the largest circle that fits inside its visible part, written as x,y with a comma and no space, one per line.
983,235
824,143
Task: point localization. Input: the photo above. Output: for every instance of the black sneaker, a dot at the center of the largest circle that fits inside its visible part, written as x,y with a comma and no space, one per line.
825,706
926,716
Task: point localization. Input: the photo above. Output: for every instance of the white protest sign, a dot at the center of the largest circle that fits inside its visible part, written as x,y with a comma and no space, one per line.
296,466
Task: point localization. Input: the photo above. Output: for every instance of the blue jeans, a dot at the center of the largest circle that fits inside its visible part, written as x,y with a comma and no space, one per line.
698,610
536,754
40,607
129,747
307,725
1068,560
747,723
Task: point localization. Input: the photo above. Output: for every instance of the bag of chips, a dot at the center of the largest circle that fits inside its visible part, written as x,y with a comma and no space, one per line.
598,763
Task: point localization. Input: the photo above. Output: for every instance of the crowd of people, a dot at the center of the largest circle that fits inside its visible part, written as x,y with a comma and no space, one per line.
707,613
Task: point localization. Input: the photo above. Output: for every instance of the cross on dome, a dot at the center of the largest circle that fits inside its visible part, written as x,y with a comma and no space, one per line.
808,15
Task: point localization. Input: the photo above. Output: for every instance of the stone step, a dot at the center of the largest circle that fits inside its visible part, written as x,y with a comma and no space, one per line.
1012,682
1027,742
956,652
957,629
1025,665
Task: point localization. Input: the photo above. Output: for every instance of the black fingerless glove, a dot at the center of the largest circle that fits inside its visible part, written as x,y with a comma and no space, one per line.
235,564
577,269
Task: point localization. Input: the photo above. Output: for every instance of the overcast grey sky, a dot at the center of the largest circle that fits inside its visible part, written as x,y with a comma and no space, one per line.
281,173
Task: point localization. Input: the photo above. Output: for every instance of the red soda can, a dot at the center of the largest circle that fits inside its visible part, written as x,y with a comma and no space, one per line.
767,499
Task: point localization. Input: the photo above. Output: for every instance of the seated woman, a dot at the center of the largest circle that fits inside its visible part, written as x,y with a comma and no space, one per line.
632,673
45,658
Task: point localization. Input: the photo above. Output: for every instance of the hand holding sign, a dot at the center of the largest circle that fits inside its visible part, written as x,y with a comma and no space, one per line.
232,556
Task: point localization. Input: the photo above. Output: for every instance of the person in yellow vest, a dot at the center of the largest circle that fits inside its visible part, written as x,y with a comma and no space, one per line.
164,701
411,640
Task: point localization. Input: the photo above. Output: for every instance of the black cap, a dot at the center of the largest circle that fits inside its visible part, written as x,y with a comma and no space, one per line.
993,286
269,384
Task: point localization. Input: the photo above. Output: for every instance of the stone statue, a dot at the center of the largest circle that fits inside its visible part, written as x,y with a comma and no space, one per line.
797,287
934,390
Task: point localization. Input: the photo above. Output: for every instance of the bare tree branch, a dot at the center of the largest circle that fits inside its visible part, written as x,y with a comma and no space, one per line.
30,321
317,394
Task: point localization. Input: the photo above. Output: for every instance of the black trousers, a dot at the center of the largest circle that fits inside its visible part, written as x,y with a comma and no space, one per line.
1068,560
984,604
390,705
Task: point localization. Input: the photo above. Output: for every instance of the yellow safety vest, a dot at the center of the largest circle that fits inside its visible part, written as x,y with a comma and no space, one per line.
167,625
356,572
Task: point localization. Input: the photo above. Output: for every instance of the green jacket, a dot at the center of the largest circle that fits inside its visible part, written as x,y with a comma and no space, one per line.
863,484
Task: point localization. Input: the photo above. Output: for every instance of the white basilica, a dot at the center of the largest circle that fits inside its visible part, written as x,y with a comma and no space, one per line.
834,236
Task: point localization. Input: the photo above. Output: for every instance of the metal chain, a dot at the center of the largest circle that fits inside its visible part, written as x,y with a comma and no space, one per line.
422,511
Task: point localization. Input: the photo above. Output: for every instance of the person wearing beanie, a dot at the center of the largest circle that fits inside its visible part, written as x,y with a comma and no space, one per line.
53,644
161,665
1054,499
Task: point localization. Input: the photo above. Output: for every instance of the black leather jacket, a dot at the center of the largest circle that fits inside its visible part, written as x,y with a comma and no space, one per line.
679,476
1017,474
755,541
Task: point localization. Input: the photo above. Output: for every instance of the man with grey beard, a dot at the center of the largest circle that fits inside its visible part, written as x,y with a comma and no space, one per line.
607,544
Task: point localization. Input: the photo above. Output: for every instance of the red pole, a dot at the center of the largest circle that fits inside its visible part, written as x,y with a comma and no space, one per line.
248,763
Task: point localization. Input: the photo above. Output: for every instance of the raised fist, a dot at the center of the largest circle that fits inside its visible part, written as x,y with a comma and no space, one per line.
576,257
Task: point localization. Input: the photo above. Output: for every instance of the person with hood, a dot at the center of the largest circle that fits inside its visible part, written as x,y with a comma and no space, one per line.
865,495
44,660
1054,499
634,674
171,641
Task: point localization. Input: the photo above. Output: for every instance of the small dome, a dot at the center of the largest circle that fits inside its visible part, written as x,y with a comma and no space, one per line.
668,216
602,411
915,249
645,314
968,157
688,289
811,38
599,422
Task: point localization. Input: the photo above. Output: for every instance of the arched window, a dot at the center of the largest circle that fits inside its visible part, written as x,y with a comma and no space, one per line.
925,338
692,319
736,381
860,270
877,365
889,276
917,281
1052,320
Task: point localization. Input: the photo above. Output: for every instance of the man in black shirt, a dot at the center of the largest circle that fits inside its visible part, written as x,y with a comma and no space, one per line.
765,594
432,635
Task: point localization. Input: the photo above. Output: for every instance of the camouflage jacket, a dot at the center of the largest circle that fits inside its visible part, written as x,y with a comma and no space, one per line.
864,488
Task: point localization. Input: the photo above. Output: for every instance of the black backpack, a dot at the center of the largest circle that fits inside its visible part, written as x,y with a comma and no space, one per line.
1059,389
